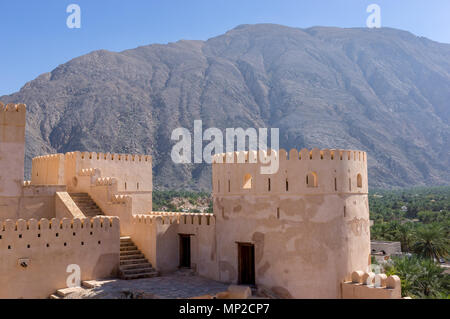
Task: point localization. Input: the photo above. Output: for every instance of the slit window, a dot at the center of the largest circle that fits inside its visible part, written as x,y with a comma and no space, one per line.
311,179
247,181
359,180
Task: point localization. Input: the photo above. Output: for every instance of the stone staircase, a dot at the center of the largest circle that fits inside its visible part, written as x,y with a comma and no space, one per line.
133,264
86,204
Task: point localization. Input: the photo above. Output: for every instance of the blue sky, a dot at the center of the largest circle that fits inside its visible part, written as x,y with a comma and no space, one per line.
36,39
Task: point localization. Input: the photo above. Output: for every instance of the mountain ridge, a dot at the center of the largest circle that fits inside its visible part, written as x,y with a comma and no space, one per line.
384,91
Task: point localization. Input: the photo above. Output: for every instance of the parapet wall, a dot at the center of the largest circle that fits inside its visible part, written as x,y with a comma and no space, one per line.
12,115
368,285
157,235
12,148
300,172
35,255
48,170
134,172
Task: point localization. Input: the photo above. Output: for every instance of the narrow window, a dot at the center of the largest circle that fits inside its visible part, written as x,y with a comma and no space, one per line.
247,181
345,211
287,185
350,184
335,184
137,185
278,212
311,179
125,185
359,181
218,186
268,184
229,186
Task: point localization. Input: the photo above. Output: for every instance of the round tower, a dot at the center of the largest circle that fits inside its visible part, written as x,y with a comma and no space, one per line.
298,232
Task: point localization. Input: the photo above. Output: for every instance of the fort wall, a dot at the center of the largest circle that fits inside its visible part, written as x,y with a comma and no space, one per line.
368,285
157,235
34,255
134,172
308,235
307,172
48,170
12,148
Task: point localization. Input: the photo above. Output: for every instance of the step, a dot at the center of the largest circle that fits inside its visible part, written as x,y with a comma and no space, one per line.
129,257
126,267
137,271
92,210
65,291
53,296
86,205
125,238
130,252
143,275
133,261
128,248
126,244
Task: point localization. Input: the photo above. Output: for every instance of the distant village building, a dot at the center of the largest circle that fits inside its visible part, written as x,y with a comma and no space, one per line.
384,250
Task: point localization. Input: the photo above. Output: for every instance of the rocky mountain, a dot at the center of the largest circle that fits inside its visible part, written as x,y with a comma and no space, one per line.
384,91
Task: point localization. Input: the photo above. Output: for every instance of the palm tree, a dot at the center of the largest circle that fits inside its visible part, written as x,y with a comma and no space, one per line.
431,242
404,234
420,278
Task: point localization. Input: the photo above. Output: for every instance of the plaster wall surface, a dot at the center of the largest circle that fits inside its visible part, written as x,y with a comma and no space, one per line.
49,247
308,238
157,236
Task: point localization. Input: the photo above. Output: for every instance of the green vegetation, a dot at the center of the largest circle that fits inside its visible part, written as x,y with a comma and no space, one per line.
420,277
178,201
419,218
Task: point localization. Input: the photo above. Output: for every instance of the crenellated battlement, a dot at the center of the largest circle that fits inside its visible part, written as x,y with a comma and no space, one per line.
89,172
12,119
105,181
48,170
11,107
252,157
12,114
133,172
48,157
132,158
121,199
169,218
35,254
368,285
298,172
34,232
56,223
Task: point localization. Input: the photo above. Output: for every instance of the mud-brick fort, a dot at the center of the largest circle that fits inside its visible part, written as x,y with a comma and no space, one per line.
300,233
